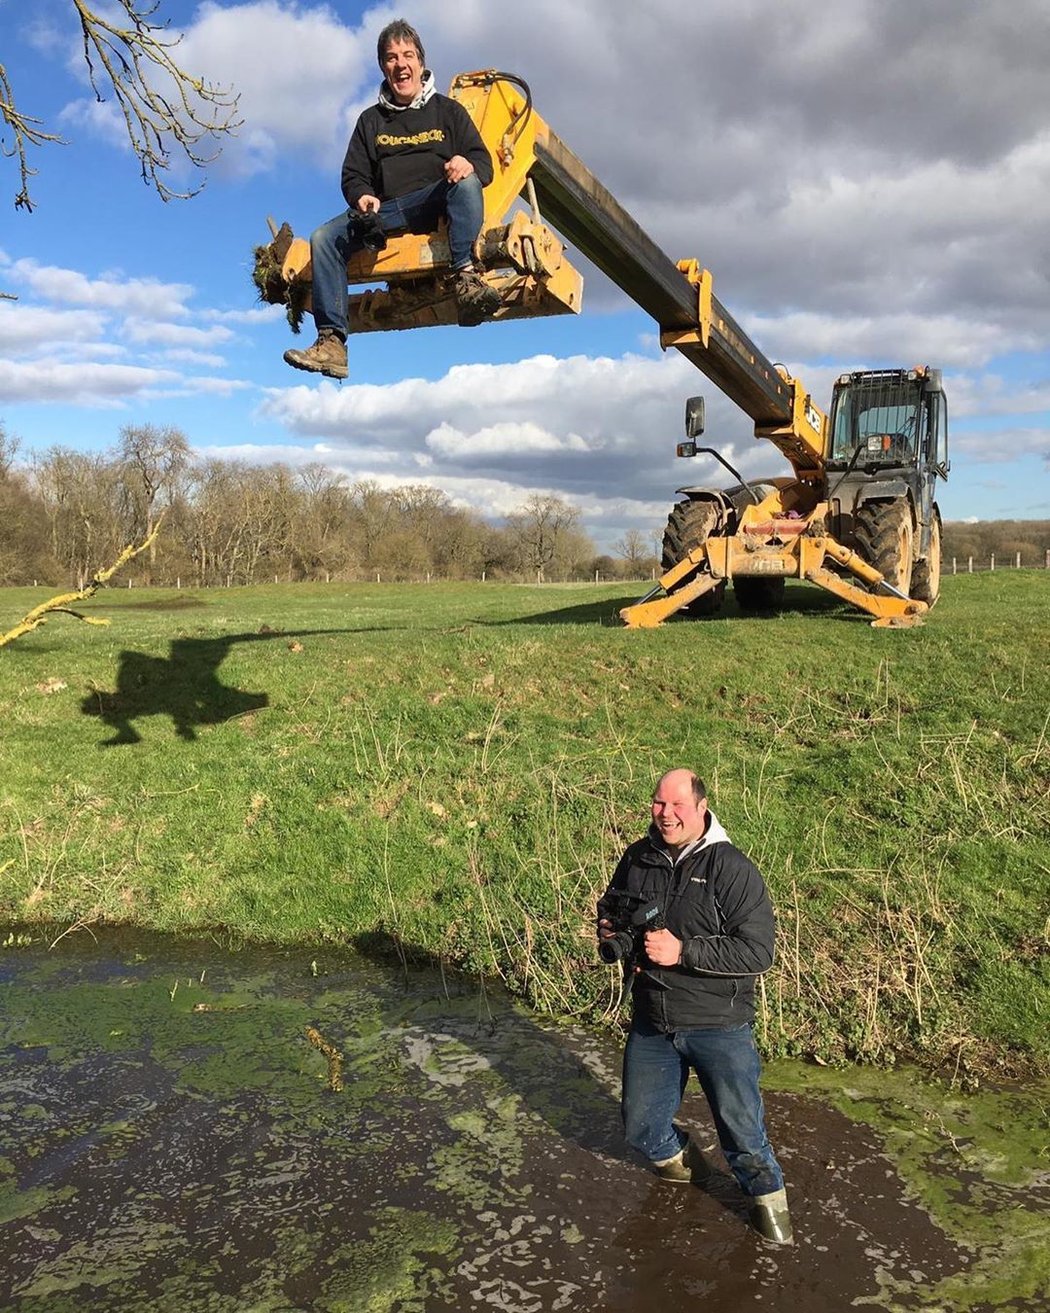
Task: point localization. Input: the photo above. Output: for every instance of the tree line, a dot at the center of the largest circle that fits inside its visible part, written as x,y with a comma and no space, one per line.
1003,539
64,513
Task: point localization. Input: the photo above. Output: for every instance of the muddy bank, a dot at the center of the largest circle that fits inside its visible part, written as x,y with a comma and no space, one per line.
187,1127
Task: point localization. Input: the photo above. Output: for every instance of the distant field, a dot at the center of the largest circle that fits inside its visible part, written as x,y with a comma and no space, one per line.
458,766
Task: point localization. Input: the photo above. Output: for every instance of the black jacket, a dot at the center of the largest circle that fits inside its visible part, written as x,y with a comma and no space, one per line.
714,900
393,152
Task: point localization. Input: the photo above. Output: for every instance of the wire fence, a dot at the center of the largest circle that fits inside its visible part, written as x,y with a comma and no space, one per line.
1002,561
949,565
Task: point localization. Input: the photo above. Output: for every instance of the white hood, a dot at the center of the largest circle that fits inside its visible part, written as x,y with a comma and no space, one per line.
712,835
427,90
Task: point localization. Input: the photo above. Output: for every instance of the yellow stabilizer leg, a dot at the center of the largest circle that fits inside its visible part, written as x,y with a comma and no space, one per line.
647,615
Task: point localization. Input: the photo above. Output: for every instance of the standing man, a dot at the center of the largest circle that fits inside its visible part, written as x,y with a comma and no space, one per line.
413,157
693,994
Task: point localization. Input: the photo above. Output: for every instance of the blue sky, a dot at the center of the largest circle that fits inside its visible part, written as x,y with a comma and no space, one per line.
870,186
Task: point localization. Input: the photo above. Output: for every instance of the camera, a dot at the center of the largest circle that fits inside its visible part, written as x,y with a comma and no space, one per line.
370,230
631,916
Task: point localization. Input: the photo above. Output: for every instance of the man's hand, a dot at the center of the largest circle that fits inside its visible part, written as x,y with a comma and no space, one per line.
458,168
662,948
368,204
605,929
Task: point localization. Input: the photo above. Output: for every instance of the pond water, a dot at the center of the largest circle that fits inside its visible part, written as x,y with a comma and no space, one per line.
189,1126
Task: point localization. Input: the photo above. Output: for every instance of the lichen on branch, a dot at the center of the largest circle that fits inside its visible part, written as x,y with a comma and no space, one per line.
61,604
166,110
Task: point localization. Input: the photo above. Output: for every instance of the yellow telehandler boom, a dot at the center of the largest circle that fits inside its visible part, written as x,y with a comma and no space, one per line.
857,517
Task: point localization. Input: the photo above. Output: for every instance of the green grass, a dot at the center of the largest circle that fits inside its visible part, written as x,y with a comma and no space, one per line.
458,766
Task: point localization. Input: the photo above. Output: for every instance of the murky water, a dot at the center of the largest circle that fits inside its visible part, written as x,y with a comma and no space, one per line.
186,1127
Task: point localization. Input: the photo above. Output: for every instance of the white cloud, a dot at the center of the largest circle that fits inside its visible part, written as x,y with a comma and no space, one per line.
260,314
468,395
25,328
992,394
601,432
530,439
211,386
289,102
996,446
103,118
186,356
77,384
133,296
177,335
893,338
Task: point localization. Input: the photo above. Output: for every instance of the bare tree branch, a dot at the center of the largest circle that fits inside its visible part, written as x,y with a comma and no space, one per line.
166,110
27,132
60,605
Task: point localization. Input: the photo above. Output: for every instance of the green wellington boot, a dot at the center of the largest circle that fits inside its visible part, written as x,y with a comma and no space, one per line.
770,1217
688,1166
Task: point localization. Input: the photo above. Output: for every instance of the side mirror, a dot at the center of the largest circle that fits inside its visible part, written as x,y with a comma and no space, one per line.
694,417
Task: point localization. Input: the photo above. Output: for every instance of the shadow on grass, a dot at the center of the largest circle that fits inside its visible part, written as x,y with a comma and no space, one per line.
605,613
184,686
797,601
179,603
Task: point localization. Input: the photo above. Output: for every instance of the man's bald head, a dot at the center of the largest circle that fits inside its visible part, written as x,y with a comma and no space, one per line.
679,807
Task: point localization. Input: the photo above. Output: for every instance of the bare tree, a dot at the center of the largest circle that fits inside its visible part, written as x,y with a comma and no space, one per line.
23,532
166,110
81,496
319,545
634,549
152,462
8,451
459,548
546,535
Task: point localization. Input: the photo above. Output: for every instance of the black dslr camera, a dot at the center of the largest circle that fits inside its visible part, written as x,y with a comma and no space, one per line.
631,916
370,230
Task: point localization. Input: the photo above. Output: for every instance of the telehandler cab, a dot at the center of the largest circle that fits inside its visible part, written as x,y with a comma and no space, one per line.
857,517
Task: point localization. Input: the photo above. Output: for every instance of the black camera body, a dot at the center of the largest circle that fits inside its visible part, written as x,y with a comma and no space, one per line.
631,916
371,232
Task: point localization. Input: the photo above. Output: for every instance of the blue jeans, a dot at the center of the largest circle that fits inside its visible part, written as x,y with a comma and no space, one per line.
332,245
655,1070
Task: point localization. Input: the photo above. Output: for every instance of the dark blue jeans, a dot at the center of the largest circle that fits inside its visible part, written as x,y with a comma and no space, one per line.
655,1070
332,245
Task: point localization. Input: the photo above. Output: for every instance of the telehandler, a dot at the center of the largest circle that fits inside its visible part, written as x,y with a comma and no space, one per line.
857,517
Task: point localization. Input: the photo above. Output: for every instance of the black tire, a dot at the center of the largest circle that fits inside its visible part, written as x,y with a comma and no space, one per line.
759,593
886,540
689,524
926,577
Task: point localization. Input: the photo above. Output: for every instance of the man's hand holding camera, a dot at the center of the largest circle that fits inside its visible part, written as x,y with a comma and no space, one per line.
637,932
662,948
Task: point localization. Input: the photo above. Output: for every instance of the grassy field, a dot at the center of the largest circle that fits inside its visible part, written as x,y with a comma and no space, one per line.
457,767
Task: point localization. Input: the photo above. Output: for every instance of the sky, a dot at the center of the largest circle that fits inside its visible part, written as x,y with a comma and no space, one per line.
868,182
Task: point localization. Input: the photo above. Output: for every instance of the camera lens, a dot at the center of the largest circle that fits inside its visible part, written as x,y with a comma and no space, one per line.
373,238
615,947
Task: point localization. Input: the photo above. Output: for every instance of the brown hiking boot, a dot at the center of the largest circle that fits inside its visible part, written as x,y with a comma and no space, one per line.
475,300
326,356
